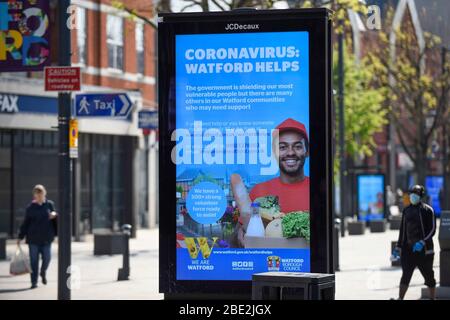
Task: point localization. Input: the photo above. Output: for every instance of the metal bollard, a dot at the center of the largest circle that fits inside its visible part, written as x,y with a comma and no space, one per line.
336,235
124,272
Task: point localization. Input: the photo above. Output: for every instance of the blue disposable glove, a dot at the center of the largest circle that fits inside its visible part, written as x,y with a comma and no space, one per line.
395,254
418,246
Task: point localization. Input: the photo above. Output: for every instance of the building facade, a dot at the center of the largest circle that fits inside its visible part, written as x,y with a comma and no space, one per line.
115,175
415,17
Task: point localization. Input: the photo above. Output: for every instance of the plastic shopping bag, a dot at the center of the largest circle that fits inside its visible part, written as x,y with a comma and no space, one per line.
20,263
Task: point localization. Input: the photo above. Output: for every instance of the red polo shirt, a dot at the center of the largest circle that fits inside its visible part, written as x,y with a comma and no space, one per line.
291,196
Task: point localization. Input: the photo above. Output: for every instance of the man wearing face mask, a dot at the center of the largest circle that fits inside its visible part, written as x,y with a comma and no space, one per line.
415,241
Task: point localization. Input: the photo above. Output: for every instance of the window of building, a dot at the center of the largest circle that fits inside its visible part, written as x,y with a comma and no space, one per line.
140,47
81,35
114,30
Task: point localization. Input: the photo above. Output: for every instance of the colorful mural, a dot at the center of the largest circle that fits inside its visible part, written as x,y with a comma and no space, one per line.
24,35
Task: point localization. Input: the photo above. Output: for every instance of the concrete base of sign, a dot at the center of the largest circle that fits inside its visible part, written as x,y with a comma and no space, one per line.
378,226
356,227
395,223
81,238
395,263
207,296
107,243
444,231
3,237
295,285
442,293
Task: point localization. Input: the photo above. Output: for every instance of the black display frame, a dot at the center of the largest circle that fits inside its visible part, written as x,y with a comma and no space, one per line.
317,22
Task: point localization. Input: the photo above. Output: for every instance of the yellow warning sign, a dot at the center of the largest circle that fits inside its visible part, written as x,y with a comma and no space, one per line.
73,138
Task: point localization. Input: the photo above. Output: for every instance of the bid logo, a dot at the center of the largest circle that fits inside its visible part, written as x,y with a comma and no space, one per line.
24,35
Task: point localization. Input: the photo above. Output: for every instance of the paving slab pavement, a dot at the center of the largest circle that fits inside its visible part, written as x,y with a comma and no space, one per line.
366,272
95,277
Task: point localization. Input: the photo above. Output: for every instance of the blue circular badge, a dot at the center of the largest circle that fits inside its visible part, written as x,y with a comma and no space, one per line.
206,202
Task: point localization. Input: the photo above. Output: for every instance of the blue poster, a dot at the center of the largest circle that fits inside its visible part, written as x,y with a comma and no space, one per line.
370,197
434,185
242,154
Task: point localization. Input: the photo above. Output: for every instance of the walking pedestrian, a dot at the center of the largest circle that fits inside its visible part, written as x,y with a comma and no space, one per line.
415,242
39,228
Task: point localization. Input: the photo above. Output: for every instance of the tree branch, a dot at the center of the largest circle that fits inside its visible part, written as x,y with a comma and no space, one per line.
219,5
405,146
190,5
142,17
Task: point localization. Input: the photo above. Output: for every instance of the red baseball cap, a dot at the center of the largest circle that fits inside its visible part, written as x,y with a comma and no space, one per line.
291,124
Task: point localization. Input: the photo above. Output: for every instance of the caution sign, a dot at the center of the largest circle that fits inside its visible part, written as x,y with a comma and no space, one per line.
73,138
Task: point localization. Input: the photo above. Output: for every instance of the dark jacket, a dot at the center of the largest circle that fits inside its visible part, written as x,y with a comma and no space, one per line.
37,227
418,224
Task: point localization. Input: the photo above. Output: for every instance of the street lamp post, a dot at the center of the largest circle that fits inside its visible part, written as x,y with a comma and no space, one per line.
65,164
445,158
341,124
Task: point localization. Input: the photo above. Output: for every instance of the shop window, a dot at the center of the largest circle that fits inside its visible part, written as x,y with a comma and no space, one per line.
47,139
27,139
5,139
37,139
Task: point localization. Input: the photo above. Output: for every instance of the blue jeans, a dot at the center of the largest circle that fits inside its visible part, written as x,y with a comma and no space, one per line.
45,252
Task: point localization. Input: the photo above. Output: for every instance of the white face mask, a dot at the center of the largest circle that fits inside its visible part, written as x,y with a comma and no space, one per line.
414,198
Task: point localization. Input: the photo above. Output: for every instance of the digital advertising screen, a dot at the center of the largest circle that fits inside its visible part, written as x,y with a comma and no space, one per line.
371,197
434,186
242,154
245,148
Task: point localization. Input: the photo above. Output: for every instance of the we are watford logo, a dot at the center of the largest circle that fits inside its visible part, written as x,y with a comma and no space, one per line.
195,245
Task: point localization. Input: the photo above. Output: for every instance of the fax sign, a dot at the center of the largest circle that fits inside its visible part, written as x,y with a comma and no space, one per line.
113,105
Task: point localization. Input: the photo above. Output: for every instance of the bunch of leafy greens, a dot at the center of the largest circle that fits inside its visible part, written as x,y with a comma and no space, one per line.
268,202
296,224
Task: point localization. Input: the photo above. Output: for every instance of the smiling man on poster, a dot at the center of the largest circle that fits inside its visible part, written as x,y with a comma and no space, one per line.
291,187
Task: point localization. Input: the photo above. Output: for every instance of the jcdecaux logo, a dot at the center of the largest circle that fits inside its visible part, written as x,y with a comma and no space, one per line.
238,26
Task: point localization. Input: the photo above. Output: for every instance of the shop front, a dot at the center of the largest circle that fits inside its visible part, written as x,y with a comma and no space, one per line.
109,175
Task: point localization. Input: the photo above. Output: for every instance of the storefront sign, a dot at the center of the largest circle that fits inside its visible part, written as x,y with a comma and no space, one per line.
9,103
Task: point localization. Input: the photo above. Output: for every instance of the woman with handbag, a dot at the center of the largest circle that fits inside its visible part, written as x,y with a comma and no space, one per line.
39,228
